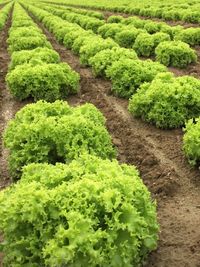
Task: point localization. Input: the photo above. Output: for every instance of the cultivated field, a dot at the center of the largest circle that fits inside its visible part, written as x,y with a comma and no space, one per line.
100,137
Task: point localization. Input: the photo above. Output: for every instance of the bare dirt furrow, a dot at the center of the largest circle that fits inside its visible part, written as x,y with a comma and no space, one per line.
159,157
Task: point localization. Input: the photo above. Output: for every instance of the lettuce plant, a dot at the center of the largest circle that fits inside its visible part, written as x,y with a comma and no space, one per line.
90,49
16,33
28,43
127,75
146,43
175,53
4,14
71,36
167,101
105,58
40,54
152,27
191,141
42,81
190,36
109,30
126,38
55,132
115,19
81,40
91,212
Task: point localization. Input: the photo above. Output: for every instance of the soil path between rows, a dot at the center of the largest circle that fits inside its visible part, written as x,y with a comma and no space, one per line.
159,157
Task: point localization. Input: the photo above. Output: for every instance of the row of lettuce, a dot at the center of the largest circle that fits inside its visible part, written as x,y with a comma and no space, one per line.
72,203
144,37
34,64
189,35
90,13
156,95
187,11
4,12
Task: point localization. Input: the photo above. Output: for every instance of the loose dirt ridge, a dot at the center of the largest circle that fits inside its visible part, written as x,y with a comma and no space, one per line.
156,153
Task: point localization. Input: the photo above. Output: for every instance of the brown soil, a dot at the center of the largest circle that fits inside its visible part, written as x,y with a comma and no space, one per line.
156,153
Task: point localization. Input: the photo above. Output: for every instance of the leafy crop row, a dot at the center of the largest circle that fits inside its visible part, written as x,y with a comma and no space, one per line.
4,14
91,212
167,102
35,69
104,55
45,132
127,33
85,21
190,35
191,141
131,77
81,11
174,10
175,53
72,205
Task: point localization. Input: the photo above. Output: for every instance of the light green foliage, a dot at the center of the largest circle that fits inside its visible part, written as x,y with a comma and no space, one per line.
160,37
193,17
105,58
93,24
90,49
175,53
28,43
92,212
40,55
42,81
55,132
61,31
134,21
109,30
185,10
191,141
87,22
19,32
126,38
115,19
146,43
167,101
71,37
152,27
172,31
171,15
4,15
86,12
81,40
190,36
23,22
127,75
